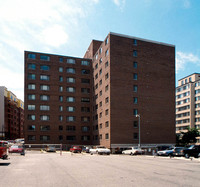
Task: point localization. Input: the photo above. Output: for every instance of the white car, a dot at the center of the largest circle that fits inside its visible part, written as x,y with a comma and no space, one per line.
167,152
100,150
133,151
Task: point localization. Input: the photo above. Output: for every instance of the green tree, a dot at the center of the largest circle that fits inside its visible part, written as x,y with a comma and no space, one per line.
189,136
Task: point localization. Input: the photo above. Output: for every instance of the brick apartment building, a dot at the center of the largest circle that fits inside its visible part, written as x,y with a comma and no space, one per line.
11,115
95,99
188,104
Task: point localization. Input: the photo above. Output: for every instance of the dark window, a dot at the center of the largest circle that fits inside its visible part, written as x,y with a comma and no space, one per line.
44,57
135,76
85,109
134,42
31,56
61,59
87,81
44,138
135,88
31,76
85,138
135,136
60,137
107,136
71,138
85,129
31,137
70,128
31,128
107,124
32,66
60,128
85,90
135,64
85,71
135,100
85,100
44,127
135,124
44,67
135,53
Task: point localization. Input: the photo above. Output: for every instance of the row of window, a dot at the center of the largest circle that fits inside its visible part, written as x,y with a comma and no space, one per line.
61,59
183,101
183,121
182,88
183,95
69,128
32,117
60,137
186,81
183,115
60,98
183,108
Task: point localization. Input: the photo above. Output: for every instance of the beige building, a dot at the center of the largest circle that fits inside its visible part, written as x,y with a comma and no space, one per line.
188,103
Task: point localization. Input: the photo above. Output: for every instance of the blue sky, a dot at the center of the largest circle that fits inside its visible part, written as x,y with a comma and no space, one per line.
67,27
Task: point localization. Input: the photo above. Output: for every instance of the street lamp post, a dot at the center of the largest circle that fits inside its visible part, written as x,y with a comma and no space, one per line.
138,116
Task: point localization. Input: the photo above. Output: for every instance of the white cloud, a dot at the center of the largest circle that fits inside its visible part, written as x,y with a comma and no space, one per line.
182,59
120,3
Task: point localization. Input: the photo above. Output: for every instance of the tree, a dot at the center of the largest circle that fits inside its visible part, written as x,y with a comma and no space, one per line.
190,136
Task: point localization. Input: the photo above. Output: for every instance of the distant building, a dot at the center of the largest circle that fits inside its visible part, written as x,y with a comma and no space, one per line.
95,99
188,104
11,115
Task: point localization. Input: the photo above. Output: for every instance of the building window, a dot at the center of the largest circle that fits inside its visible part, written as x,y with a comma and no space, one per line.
31,128
44,77
60,59
60,79
32,66
85,119
135,136
60,137
44,138
31,56
44,87
31,96
100,71
86,81
135,124
71,138
70,99
85,129
45,68
100,125
106,41
85,100
31,86
85,63
44,118
85,109
106,88
135,64
31,76
60,69
100,115
85,71
106,76
100,104
60,88
85,138
135,112
60,128
107,124
135,76
70,109
135,100
71,61
31,138
96,66
44,107
100,93
31,117
135,88
106,112
31,107
71,70
71,80
107,136
71,89
71,118
60,108
106,64
134,42
100,82
44,57
107,100
60,118
107,52
190,79
44,127
85,90
100,136
135,53
61,98
70,128
44,97
100,61
100,50
96,76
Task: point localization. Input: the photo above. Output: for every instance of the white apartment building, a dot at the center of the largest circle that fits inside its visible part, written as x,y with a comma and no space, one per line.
188,103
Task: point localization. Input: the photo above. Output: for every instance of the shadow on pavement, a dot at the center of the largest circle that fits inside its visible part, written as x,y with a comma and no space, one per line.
4,164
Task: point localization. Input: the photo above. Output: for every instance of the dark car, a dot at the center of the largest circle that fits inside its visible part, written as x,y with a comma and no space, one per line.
178,151
193,150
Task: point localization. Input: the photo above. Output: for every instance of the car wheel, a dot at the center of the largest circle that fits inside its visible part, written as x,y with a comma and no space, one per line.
131,153
187,155
108,153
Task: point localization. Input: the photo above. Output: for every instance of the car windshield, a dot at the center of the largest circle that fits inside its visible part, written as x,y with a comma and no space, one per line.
191,147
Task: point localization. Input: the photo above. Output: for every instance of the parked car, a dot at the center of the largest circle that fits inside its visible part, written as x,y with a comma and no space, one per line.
3,150
51,148
100,150
133,151
193,150
76,149
86,149
167,152
178,151
16,149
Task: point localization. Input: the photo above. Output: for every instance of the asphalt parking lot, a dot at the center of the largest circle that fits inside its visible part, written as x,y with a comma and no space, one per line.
52,169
